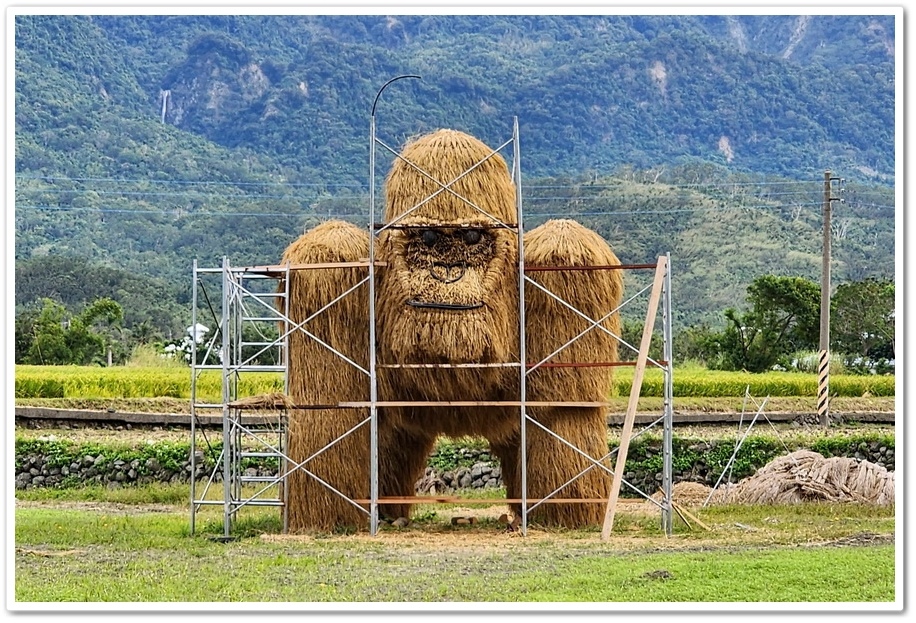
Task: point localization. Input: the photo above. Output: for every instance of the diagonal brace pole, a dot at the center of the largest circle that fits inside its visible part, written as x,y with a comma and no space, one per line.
636,387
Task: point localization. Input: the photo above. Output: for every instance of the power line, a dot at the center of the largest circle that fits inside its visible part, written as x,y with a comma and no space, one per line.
183,212
583,184
201,182
151,193
643,196
171,211
675,211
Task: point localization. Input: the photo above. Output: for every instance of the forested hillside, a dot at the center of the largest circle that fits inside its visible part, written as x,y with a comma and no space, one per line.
145,142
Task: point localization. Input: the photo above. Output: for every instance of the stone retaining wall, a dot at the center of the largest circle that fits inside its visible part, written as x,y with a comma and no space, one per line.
37,470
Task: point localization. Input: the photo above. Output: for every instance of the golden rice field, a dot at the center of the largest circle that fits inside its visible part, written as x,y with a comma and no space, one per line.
154,382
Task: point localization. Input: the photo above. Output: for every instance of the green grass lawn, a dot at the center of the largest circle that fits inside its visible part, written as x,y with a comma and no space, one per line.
124,550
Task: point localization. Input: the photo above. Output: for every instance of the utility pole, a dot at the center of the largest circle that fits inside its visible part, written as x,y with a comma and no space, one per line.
823,368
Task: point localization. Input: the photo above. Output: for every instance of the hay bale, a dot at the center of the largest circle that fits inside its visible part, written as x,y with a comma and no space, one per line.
806,476
548,326
317,376
687,494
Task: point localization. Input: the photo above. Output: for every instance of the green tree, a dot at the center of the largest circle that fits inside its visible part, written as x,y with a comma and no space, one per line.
784,317
24,333
144,333
101,319
862,318
57,339
697,343
48,345
631,332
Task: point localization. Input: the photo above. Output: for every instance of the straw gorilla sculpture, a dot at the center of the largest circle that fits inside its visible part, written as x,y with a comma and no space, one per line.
447,293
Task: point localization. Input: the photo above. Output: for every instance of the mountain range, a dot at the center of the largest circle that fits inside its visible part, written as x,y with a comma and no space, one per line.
144,142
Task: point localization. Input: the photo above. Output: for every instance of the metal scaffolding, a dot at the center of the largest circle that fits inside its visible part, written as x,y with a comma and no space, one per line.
264,436
233,353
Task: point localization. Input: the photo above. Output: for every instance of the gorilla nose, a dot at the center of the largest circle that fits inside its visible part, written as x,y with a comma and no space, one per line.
448,273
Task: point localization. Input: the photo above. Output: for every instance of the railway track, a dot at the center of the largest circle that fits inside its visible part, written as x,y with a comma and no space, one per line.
46,417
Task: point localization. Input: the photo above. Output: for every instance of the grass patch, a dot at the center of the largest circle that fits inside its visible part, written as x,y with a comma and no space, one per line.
88,382
113,553
152,493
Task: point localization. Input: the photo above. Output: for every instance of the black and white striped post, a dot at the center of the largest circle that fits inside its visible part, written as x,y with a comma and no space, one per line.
823,387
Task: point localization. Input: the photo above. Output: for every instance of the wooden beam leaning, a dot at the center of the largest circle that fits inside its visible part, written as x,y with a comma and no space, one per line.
638,373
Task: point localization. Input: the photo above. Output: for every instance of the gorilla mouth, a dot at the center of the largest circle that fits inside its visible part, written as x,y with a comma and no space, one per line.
442,258
453,306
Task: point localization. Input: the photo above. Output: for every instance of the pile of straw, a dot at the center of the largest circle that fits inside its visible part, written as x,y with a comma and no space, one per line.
804,476
690,494
271,401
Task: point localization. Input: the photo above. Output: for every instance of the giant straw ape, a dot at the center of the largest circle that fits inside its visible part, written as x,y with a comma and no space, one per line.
447,293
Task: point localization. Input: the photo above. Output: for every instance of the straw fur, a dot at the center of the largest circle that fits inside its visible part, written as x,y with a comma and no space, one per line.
414,272
549,326
317,376
452,252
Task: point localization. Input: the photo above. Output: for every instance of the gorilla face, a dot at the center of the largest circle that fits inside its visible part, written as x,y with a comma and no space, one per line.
449,266
449,288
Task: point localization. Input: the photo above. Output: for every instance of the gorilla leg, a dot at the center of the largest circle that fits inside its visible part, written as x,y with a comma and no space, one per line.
403,456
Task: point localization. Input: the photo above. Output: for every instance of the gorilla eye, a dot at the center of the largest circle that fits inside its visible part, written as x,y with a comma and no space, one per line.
471,236
429,237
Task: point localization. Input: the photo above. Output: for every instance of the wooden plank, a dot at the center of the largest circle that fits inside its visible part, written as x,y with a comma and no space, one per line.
593,364
596,267
454,226
683,511
449,499
638,373
677,509
570,364
395,366
281,268
470,403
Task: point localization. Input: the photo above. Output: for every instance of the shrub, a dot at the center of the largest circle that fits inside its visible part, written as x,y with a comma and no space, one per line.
807,361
